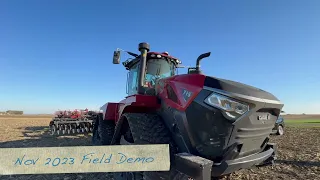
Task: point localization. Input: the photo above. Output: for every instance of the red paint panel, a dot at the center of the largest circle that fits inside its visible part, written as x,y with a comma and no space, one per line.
141,100
190,82
111,111
138,104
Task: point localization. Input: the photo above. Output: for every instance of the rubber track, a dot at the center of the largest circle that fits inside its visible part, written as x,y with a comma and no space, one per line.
105,131
150,129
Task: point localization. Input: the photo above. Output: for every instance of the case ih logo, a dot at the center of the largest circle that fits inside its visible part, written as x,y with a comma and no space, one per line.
264,117
186,94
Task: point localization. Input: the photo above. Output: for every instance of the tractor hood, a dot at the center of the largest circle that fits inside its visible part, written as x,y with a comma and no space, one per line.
236,87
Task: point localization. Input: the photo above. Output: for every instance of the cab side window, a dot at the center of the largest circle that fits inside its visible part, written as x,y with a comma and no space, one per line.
133,80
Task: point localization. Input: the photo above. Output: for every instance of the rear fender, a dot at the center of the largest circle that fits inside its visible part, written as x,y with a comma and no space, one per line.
110,111
138,104
133,104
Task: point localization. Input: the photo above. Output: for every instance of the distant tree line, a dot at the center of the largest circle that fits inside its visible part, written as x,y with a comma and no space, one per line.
13,112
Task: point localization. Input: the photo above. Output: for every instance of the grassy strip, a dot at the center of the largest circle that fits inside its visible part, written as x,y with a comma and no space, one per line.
302,122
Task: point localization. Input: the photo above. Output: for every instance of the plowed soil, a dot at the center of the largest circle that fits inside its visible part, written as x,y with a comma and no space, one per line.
298,150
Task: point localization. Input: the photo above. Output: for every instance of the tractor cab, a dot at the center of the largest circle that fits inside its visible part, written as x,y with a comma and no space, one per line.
147,68
157,66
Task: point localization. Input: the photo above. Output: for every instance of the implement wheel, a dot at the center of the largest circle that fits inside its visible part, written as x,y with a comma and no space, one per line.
53,129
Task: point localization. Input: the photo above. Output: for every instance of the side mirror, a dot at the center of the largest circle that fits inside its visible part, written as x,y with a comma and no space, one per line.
116,57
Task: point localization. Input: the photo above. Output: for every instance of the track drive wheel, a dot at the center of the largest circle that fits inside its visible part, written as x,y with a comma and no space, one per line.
146,129
103,131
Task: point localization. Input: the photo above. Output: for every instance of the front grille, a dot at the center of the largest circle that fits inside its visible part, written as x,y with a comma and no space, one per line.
252,131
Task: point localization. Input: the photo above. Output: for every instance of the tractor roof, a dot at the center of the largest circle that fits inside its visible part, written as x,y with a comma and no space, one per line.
152,55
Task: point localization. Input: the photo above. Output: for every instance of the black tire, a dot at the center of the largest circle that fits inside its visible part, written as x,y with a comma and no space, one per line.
103,131
149,129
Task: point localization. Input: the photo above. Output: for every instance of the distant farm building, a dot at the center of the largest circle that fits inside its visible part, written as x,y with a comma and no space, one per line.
14,112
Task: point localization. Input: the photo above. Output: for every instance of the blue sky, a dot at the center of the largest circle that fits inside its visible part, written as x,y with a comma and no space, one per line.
58,54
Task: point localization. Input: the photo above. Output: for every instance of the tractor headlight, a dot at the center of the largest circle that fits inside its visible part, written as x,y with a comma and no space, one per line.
230,108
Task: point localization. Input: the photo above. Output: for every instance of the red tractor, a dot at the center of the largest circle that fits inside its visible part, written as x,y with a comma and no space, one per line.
213,126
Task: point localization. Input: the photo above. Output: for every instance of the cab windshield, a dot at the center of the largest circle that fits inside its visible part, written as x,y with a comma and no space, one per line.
158,69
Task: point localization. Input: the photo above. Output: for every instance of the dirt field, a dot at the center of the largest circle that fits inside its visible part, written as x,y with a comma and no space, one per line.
299,150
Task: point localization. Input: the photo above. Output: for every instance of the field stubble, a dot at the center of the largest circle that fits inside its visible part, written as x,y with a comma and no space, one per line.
298,150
